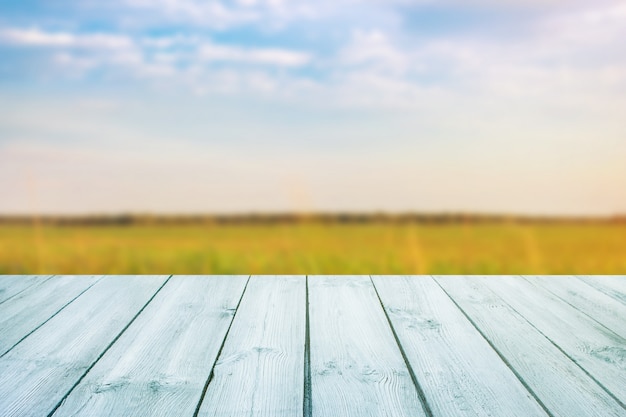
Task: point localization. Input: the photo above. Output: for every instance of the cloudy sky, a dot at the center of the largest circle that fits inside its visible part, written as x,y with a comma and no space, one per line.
279,105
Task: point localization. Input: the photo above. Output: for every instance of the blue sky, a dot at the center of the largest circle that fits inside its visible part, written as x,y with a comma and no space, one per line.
251,105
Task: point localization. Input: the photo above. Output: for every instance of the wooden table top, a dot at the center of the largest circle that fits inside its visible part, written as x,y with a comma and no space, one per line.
360,346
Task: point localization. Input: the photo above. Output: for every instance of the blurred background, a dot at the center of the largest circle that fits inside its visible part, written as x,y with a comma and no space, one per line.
344,136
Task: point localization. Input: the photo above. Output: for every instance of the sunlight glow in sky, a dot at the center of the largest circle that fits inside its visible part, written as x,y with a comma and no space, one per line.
276,105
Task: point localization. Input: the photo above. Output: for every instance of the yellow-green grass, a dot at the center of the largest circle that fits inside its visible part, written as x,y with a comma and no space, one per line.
311,248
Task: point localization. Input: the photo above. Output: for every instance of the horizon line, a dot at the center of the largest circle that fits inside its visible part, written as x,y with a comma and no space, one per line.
130,218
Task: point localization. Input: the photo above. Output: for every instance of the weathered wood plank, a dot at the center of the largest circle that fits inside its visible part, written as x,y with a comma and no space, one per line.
357,368
37,374
562,386
30,308
458,371
10,285
613,285
260,371
596,304
595,348
160,365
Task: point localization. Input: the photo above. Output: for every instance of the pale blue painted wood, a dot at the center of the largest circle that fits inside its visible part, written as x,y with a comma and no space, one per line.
357,368
597,349
161,363
459,372
562,386
260,371
130,346
11,285
613,285
599,306
37,374
27,310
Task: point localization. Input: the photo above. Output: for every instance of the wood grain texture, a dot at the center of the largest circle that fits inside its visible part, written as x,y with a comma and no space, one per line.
157,346
159,366
564,388
598,350
28,309
40,371
357,368
459,372
599,306
11,285
260,371
613,285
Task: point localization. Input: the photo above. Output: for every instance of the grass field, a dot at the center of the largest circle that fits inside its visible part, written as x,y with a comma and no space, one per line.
315,249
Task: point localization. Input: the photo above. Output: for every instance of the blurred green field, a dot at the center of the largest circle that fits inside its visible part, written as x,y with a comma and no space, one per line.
311,248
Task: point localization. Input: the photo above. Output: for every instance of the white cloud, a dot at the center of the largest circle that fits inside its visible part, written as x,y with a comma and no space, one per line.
374,50
187,60
422,108
374,65
37,37
162,42
224,14
213,13
587,27
273,56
